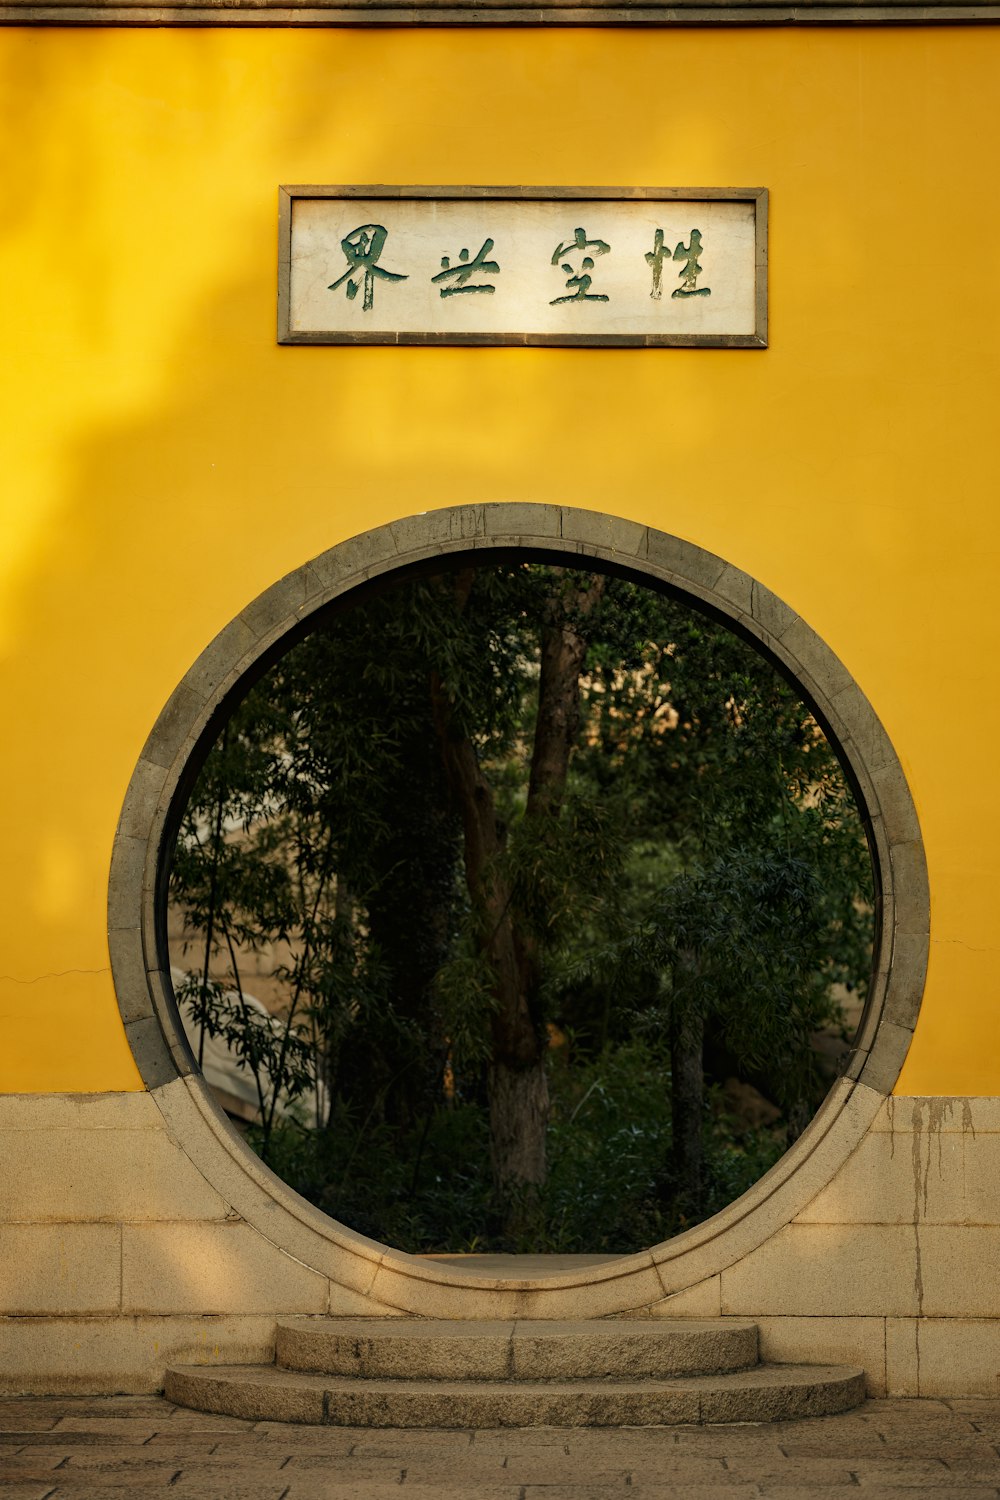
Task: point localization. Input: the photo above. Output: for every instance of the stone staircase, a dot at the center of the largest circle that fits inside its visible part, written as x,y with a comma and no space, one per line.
412,1372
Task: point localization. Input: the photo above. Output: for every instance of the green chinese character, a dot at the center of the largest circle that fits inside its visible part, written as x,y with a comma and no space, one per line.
465,269
581,280
362,247
654,259
690,271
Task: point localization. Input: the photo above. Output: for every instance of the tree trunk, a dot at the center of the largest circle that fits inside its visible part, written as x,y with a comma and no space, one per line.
519,1115
564,648
409,915
687,1092
518,1088
517,1135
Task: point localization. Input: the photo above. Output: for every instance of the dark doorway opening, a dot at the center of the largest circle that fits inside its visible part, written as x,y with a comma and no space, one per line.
520,907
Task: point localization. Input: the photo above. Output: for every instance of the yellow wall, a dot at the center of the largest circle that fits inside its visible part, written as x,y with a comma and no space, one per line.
164,461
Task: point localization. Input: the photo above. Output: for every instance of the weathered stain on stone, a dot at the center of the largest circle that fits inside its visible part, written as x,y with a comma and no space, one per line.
936,1111
927,1121
918,1270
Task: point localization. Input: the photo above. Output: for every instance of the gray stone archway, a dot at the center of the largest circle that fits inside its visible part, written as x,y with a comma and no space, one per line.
397,1281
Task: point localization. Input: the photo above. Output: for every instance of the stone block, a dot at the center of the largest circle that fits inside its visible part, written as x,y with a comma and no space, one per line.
142,799
222,658
644,1490
777,1197
884,1063
257,1395
91,1356
774,1394
60,1268
799,1477
769,612
346,1303
610,534
981,1176
818,661
546,1404
635,1284
736,587
164,1006
120,1111
909,971
427,532
940,1172
863,1191
350,1260
958,1270
895,803
958,1357
431,1298
398,1348
603,1296
116,1175
128,869
889,1182
826,1270
213,1268
882,1119
867,731
351,561
981,1116
910,887
276,609
515,518
178,721
128,965
827,1341
940,1115
660,1348
703,1300
151,1051
902,1365
681,562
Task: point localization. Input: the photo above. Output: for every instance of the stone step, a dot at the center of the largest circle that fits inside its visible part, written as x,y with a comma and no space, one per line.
768,1393
438,1349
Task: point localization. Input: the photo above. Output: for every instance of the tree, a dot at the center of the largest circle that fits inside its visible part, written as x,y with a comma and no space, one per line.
509,930
504,795
767,902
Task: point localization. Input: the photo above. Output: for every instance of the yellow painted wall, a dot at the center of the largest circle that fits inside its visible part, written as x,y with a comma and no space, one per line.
164,461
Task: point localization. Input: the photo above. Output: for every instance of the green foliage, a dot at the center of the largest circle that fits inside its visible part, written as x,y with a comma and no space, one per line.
609,1187
746,943
610,1184
704,860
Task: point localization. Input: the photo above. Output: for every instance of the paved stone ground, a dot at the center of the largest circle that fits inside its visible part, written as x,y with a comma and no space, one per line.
110,1448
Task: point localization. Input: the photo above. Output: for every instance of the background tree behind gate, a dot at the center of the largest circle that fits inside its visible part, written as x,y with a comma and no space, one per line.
553,859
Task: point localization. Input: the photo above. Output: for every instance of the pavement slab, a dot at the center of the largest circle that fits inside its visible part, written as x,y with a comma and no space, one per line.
314,1490
680,1491
91,1448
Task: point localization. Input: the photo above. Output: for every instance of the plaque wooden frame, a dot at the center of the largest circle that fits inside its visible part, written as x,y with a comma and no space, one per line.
757,196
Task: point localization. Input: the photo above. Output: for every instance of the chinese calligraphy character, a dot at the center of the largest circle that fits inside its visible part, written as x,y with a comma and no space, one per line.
582,281
465,269
654,259
362,247
691,270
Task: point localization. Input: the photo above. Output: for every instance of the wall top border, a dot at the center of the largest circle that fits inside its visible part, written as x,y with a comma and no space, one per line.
701,13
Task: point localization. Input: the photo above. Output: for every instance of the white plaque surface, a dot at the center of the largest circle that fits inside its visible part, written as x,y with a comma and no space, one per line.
523,266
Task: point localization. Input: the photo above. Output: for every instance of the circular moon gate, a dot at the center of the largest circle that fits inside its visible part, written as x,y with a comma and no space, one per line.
188,725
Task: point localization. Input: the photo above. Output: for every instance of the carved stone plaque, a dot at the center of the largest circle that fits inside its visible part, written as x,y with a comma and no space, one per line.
583,266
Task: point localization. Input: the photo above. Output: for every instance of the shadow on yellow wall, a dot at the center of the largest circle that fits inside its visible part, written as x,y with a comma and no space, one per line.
168,461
